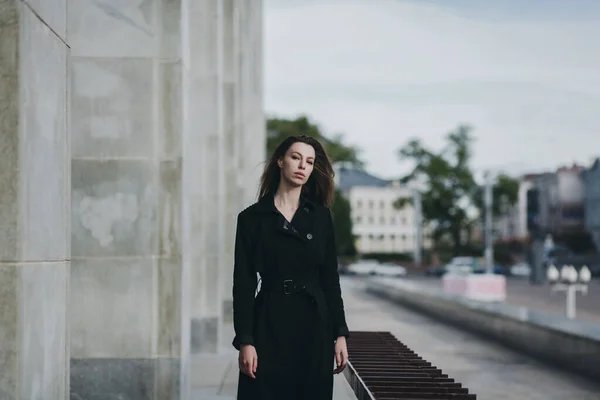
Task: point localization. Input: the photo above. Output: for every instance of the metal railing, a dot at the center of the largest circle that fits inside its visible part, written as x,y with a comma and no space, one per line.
382,368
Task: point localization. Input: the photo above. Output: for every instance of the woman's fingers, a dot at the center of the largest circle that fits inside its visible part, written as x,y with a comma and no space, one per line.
254,364
341,359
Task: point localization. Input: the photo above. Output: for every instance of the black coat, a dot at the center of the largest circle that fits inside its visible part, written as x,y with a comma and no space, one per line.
298,312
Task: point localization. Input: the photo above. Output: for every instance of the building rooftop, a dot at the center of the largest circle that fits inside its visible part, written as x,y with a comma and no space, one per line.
351,176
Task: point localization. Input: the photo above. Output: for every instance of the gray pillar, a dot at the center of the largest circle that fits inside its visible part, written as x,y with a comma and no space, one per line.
126,281
203,174
34,201
244,127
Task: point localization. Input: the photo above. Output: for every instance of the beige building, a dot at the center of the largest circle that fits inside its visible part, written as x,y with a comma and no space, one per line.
378,226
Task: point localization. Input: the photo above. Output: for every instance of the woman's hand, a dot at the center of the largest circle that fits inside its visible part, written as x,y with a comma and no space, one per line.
341,354
248,360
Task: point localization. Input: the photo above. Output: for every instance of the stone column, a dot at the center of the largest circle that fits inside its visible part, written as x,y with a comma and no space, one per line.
126,302
203,179
244,127
34,200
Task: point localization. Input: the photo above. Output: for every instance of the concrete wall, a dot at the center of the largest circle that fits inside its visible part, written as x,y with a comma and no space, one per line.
131,134
34,200
572,345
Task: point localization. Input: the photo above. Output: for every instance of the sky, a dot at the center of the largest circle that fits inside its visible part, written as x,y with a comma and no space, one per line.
525,74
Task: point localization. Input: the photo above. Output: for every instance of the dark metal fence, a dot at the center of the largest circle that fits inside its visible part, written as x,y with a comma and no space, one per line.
382,368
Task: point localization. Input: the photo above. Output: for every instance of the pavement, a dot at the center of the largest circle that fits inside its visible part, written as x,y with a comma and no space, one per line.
540,297
487,369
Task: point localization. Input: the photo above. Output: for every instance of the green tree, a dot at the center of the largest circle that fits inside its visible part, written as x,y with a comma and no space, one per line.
278,129
448,184
342,225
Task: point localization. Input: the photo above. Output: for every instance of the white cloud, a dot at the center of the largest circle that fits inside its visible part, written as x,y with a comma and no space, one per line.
382,71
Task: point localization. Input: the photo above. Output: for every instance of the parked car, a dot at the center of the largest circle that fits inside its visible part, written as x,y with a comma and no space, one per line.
520,269
362,267
390,269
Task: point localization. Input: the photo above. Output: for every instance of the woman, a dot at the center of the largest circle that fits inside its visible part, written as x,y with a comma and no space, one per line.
290,334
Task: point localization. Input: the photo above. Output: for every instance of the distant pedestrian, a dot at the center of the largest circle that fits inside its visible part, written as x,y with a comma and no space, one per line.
290,334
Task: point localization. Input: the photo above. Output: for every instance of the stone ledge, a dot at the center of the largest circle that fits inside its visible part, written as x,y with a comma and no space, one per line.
572,345
126,379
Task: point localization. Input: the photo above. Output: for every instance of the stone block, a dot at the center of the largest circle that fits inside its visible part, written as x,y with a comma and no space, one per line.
112,107
9,130
9,309
169,308
170,112
114,208
44,149
112,28
43,346
111,308
122,378
205,335
169,215
53,13
170,32
33,330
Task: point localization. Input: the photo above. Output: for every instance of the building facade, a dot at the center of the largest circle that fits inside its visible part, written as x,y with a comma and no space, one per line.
131,135
561,200
591,180
378,226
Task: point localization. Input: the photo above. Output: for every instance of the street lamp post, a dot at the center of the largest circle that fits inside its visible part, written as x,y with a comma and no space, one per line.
569,281
489,229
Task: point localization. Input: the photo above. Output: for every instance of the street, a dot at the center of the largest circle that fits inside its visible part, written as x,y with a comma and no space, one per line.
485,368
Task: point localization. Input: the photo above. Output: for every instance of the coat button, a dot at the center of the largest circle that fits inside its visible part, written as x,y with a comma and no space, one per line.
309,236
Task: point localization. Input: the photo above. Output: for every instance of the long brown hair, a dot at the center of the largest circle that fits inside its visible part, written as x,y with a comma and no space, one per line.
320,185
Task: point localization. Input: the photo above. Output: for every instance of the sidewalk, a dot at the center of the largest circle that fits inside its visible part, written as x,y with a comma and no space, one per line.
214,377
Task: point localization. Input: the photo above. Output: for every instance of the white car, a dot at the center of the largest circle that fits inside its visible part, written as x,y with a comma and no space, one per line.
520,269
363,267
390,269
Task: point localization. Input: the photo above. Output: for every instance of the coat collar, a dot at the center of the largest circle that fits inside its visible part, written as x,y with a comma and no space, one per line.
266,204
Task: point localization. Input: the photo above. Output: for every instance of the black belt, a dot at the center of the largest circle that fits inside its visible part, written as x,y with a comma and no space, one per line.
288,286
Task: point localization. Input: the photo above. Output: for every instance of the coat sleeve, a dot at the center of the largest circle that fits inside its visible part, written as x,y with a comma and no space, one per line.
244,286
330,283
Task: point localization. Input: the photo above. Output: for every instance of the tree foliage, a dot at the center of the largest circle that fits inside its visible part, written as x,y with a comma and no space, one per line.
448,183
342,220
278,129
452,201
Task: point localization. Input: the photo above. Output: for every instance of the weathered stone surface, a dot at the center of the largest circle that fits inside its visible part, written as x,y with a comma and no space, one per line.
112,28
121,378
53,13
205,335
112,107
9,306
114,208
44,165
170,113
111,310
43,330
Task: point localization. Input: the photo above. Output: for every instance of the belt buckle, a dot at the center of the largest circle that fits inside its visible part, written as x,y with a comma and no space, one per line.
285,286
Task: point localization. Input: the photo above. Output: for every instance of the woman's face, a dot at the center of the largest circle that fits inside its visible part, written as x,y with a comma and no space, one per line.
297,164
